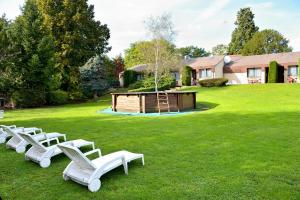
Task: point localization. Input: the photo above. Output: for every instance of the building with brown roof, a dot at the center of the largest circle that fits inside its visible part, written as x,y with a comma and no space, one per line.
247,69
240,69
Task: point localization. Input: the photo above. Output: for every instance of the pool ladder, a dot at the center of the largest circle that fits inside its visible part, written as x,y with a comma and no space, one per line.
162,100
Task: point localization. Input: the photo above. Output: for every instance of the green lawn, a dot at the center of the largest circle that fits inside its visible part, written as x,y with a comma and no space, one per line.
247,146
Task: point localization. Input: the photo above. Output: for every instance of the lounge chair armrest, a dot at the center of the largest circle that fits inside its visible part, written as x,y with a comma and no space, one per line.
49,140
11,126
93,151
63,136
34,132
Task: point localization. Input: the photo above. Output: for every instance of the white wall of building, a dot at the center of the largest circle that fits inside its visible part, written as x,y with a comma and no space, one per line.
236,78
263,77
219,70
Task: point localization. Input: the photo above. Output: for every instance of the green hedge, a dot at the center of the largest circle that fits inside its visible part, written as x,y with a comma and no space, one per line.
151,89
273,72
299,69
147,85
129,77
29,98
57,97
186,76
215,82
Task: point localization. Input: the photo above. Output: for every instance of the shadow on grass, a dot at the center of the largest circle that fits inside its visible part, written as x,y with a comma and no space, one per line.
203,105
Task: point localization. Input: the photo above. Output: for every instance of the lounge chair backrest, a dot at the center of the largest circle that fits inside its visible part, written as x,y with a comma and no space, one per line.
33,142
77,156
11,132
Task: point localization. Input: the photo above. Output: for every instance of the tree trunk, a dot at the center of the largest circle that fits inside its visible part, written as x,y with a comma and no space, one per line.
156,67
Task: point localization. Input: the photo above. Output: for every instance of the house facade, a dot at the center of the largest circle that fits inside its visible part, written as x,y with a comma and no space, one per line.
247,69
240,69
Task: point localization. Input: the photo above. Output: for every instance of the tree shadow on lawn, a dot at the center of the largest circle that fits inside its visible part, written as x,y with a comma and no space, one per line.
203,105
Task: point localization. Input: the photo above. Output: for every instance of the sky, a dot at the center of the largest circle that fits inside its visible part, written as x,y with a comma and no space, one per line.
201,23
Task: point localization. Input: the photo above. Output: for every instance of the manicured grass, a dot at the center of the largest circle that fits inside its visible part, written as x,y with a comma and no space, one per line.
247,146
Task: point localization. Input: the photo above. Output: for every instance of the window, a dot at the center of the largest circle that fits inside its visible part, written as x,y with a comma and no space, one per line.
139,77
254,72
176,75
205,73
293,71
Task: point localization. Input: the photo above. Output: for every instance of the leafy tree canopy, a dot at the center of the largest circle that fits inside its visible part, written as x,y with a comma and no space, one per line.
219,50
143,52
193,52
97,75
266,42
77,36
244,31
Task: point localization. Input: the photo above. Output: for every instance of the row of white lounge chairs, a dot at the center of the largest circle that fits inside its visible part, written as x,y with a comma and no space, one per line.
81,169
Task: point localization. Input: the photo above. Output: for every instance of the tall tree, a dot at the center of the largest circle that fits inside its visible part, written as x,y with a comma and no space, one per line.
193,52
160,29
220,50
243,32
119,65
36,61
77,35
6,58
95,76
266,42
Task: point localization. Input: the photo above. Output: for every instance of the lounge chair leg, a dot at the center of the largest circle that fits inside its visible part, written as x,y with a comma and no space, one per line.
143,161
65,177
125,165
94,185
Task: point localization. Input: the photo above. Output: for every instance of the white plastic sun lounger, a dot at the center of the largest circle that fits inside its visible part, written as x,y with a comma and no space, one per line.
42,154
3,134
88,172
5,131
19,144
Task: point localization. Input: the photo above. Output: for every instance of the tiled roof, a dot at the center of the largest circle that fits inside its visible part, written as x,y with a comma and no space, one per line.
206,61
139,68
264,60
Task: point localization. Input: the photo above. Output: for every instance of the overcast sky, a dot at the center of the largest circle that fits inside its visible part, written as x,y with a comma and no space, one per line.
197,22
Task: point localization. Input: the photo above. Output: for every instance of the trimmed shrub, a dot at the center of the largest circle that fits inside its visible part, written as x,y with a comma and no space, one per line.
57,97
29,98
215,82
299,69
186,76
273,72
129,77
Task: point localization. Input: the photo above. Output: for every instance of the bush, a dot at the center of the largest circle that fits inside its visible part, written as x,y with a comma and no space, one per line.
29,98
57,97
136,85
273,72
215,82
129,77
186,76
148,85
299,69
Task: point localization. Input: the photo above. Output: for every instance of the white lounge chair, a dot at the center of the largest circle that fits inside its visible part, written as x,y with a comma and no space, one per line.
5,133
19,144
42,154
88,172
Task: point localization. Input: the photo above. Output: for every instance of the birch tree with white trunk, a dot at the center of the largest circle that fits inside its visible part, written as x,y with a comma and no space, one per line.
160,29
